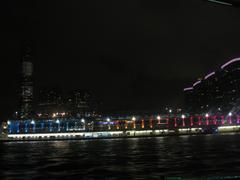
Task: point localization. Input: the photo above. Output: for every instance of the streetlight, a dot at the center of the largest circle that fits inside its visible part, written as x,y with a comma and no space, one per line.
159,119
230,117
83,120
207,119
58,122
9,126
183,120
33,125
108,120
134,123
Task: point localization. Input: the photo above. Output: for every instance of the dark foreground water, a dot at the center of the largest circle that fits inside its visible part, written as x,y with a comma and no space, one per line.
145,158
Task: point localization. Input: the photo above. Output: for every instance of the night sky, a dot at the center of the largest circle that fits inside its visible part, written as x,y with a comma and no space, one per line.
133,55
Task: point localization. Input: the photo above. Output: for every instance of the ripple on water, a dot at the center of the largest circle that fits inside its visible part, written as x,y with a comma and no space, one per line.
123,158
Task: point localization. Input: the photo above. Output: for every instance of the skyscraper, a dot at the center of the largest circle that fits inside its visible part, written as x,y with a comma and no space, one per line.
79,103
50,101
26,91
217,92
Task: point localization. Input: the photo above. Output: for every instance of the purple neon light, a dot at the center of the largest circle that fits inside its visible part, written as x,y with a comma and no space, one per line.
209,75
188,89
230,62
196,83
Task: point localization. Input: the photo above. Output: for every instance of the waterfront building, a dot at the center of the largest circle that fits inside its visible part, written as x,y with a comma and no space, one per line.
217,92
153,124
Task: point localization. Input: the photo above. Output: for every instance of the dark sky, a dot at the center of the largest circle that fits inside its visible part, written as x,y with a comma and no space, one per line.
133,54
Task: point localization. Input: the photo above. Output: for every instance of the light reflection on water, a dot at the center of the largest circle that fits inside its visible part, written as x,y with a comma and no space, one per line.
122,158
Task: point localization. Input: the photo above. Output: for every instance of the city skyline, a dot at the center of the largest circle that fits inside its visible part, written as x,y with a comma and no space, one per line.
123,64
129,89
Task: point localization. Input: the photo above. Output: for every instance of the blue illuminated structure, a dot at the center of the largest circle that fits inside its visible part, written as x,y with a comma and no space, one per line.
45,126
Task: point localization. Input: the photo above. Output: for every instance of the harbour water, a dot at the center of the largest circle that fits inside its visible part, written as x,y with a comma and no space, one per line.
134,158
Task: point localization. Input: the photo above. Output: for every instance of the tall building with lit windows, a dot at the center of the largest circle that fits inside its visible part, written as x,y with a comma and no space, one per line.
50,101
80,103
217,92
26,87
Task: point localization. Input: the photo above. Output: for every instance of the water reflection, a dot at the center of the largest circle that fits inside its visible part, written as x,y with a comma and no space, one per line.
122,158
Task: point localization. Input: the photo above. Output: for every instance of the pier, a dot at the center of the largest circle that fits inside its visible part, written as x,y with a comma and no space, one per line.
118,127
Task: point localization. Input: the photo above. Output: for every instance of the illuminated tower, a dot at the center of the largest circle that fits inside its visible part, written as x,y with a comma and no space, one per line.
26,91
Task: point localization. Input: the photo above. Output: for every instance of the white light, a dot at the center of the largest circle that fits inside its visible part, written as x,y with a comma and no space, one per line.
32,122
83,120
8,122
54,115
48,135
170,111
221,2
133,118
207,115
183,116
209,75
196,83
108,119
230,114
158,117
188,89
228,127
58,122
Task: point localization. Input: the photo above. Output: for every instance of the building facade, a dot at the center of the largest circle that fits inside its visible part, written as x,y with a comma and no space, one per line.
80,103
50,101
217,92
26,90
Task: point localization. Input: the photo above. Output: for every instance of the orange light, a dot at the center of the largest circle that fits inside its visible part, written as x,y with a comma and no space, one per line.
126,124
134,125
117,124
151,123
143,124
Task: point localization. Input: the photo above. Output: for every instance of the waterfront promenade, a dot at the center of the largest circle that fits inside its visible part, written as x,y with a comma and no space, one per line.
121,127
